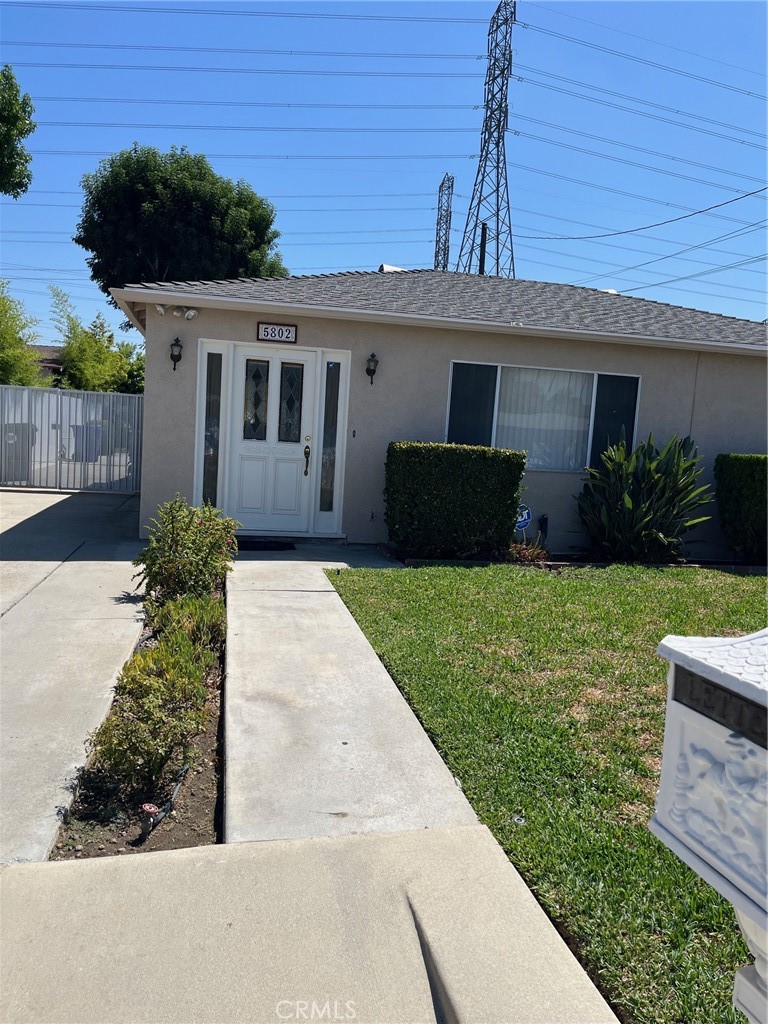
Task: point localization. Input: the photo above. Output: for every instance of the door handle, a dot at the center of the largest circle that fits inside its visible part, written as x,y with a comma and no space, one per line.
307,453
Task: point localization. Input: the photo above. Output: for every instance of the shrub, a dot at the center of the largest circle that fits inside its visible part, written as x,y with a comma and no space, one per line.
159,708
190,551
639,504
741,486
452,501
202,619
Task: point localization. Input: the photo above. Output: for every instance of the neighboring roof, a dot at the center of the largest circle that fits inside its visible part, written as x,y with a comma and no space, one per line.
493,300
47,353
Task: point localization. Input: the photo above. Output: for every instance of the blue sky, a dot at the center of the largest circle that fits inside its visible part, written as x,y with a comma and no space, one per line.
350,141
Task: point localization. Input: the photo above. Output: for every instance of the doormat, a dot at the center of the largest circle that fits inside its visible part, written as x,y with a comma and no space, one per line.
260,544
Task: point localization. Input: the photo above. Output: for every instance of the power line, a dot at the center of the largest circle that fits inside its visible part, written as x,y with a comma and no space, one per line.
643,60
247,71
647,39
365,130
647,227
701,273
739,233
219,13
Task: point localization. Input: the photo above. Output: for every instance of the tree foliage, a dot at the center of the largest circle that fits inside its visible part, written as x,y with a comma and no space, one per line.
18,362
152,216
92,359
16,124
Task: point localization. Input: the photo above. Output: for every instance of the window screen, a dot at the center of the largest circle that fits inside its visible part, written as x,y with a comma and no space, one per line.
473,394
615,406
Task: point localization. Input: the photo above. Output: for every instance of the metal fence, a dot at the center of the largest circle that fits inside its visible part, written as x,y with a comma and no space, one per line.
70,440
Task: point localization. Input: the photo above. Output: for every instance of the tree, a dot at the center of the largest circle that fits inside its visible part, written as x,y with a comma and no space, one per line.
91,358
18,362
16,124
151,216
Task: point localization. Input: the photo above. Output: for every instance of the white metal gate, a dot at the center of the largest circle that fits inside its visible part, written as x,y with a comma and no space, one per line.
70,440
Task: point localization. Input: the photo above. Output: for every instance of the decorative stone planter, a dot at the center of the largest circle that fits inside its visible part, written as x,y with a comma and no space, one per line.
712,805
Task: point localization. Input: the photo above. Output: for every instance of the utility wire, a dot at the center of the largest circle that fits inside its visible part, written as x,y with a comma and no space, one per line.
701,273
646,227
249,71
364,130
640,60
647,39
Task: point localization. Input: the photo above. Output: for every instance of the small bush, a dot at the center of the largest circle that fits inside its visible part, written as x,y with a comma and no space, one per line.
190,551
159,708
527,551
202,619
741,488
452,501
639,504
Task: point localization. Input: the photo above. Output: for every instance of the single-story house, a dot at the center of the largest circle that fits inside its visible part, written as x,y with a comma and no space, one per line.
276,398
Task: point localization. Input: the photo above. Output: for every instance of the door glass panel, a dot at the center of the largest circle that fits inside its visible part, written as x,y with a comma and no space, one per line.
291,394
330,424
211,440
256,390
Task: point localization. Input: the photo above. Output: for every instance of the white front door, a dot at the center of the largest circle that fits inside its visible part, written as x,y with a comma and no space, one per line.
273,441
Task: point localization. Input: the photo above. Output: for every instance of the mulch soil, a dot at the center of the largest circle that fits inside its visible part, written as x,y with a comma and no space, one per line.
94,828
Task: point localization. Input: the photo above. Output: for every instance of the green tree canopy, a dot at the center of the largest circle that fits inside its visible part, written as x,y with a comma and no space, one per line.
16,124
152,216
18,362
91,358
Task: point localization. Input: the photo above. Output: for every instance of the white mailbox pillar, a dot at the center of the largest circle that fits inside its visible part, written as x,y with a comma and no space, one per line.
712,805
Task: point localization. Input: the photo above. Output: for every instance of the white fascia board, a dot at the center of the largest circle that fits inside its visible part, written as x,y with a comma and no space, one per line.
125,295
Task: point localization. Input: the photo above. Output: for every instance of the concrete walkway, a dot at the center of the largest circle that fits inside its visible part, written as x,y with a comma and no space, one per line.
320,742
398,928
65,632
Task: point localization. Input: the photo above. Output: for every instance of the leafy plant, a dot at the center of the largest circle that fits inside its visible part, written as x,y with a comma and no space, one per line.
527,552
742,486
638,505
452,500
202,619
190,551
159,708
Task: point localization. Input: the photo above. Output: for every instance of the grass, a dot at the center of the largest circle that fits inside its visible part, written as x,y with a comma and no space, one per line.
545,697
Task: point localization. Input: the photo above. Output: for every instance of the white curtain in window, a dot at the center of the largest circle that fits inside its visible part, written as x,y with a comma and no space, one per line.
545,412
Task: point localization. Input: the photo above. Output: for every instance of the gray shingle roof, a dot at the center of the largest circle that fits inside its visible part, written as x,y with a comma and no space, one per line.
496,300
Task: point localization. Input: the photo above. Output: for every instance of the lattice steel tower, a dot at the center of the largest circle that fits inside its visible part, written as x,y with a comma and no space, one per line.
443,226
490,196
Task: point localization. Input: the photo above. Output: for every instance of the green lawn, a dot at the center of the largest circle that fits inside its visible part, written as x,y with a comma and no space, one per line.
545,697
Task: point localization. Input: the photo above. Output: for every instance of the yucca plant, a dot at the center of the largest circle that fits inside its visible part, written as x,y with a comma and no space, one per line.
637,505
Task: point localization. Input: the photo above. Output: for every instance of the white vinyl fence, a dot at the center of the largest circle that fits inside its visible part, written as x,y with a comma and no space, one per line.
70,440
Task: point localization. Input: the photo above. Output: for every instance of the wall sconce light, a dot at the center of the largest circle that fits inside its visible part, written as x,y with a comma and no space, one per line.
161,309
370,366
186,311
176,348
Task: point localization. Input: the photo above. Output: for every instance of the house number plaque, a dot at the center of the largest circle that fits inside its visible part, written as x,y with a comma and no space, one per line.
277,332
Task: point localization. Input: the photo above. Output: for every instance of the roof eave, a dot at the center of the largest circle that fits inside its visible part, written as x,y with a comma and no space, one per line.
126,296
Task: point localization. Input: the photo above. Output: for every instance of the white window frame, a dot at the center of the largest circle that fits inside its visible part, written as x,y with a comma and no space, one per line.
555,369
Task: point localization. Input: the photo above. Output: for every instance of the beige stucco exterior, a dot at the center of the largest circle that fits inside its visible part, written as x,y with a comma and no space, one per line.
719,398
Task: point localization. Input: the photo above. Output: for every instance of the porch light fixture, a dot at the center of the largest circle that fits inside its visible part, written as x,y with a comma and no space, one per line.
370,366
160,309
176,348
186,311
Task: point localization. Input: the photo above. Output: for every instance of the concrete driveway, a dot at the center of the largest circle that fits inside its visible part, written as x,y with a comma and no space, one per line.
68,621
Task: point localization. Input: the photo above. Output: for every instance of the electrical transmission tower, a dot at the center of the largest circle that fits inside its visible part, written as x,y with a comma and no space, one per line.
489,206
443,227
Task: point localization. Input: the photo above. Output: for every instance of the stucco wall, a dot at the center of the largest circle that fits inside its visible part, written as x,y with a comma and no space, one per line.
719,399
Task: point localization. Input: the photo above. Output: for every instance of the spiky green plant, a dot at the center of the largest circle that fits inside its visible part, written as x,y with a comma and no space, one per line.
637,505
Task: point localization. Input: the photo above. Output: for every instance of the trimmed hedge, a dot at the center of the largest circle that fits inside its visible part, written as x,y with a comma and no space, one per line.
450,500
741,491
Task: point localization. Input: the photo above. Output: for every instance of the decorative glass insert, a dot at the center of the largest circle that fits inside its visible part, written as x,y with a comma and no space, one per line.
256,394
211,439
330,425
291,393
